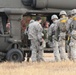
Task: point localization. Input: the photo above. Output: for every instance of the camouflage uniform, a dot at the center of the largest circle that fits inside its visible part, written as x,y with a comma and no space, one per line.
62,27
73,38
35,35
52,32
68,37
45,32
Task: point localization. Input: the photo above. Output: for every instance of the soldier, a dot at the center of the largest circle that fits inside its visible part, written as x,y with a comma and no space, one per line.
73,35
35,35
52,32
28,41
45,32
68,34
62,28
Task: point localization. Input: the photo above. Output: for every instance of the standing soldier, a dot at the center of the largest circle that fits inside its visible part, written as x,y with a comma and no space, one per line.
73,35
68,34
35,35
28,41
62,28
45,32
25,41
52,35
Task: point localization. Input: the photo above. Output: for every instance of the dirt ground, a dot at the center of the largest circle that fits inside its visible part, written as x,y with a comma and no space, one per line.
43,68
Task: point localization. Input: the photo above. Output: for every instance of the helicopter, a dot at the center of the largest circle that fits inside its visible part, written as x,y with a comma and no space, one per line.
12,10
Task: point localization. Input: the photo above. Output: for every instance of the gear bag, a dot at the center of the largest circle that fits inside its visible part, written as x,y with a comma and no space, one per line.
62,25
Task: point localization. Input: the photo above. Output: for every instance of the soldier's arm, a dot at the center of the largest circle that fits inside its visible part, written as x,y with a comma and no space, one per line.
57,31
50,31
70,24
39,34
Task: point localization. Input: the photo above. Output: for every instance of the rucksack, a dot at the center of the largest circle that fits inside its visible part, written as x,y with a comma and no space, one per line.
62,24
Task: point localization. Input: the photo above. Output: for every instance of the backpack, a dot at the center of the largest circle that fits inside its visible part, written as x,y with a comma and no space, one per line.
62,24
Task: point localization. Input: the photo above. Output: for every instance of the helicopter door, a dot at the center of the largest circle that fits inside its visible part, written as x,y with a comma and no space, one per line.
3,30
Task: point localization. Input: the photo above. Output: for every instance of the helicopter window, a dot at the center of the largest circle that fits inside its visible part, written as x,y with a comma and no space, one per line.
4,24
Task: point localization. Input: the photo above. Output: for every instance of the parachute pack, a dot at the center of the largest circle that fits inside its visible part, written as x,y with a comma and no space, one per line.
63,21
62,24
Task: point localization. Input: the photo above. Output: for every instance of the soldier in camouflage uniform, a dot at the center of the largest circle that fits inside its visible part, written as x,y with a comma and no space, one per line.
45,32
52,35
73,35
68,37
62,28
35,35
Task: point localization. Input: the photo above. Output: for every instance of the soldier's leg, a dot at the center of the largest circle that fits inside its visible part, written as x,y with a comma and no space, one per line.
73,49
62,50
69,51
34,50
56,51
40,53
73,45
29,52
28,56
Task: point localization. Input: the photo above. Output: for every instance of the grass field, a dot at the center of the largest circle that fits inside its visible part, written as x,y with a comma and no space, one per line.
43,68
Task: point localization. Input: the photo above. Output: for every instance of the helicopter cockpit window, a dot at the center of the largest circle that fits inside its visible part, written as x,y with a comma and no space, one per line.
4,24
